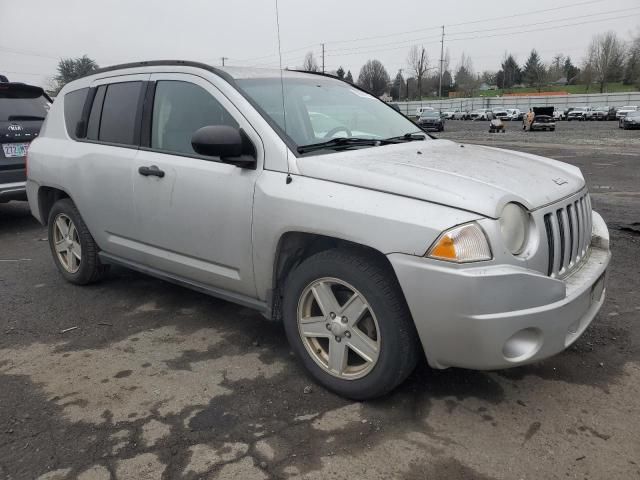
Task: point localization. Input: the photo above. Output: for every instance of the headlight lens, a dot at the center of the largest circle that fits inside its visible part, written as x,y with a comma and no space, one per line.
514,225
465,243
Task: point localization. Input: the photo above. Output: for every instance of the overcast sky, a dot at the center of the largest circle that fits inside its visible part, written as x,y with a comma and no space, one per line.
34,34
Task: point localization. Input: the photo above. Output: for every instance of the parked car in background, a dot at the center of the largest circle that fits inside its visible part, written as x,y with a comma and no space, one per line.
630,120
448,114
481,115
514,114
23,109
598,113
612,113
543,119
578,113
566,112
501,114
623,111
419,111
558,114
431,120
461,115
387,244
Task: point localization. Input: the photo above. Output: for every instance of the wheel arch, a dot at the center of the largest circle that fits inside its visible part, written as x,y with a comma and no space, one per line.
295,246
47,197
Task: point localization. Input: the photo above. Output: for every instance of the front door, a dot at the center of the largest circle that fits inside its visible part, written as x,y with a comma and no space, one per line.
194,221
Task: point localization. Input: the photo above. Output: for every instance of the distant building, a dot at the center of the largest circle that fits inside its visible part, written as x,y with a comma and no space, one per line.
485,87
561,81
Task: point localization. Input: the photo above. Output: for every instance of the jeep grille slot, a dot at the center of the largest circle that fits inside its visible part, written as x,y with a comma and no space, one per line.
568,231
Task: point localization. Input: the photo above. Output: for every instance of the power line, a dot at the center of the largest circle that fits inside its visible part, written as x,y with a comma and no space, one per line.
547,21
531,12
337,54
538,29
369,48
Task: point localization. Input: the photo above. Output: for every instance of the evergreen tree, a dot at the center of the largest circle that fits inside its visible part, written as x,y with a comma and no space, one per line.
534,72
397,89
570,71
510,73
349,77
340,72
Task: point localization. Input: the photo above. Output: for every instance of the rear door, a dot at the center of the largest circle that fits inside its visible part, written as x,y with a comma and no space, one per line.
195,220
103,188
22,110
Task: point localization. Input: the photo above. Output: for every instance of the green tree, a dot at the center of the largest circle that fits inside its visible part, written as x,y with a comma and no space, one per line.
340,72
397,89
348,77
570,71
70,69
374,78
510,73
534,72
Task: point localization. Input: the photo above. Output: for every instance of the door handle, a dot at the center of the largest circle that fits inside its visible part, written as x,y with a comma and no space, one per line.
153,171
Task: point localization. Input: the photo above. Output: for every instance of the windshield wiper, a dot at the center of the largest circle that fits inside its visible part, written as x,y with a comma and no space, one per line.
339,143
13,118
407,137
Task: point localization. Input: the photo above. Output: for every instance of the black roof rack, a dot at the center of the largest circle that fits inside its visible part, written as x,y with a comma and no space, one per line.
163,63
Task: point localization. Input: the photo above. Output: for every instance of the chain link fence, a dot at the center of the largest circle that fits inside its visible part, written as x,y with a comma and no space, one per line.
524,103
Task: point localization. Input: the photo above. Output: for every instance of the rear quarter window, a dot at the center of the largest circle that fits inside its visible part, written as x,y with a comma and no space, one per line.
73,105
119,122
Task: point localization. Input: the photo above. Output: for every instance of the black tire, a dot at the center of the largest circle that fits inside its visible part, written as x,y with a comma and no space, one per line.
375,280
91,269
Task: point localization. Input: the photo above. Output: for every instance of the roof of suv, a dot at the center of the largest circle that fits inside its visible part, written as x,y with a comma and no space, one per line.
228,73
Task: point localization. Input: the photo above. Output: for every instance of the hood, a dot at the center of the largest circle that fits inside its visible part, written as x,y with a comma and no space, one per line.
548,111
469,177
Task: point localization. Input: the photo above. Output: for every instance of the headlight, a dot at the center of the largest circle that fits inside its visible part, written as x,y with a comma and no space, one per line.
465,243
514,225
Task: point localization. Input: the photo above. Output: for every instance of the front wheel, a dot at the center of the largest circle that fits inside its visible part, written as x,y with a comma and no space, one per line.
347,321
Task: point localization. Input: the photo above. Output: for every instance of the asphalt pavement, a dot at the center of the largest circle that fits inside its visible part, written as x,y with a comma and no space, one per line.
135,378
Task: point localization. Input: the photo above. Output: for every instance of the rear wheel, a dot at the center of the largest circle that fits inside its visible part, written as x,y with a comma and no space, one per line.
347,321
74,251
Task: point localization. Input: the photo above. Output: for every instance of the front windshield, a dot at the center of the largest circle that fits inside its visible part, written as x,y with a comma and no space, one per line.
430,114
319,109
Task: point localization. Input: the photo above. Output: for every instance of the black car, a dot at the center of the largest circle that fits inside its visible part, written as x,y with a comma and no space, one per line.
630,120
431,120
22,110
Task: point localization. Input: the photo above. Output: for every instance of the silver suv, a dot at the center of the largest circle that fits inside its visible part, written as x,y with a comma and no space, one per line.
320,206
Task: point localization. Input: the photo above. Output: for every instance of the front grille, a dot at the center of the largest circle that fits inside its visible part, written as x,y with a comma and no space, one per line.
568,230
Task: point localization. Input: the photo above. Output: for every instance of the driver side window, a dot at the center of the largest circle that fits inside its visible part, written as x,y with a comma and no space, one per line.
179,109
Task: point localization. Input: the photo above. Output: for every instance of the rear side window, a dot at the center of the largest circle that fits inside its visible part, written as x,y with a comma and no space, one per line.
73,106
120,121
22,102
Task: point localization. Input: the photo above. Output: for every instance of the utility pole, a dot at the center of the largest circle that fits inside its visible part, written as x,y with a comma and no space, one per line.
322,57
223,59
441,62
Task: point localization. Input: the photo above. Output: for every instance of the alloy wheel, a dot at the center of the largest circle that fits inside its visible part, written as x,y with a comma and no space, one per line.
67,243
338,328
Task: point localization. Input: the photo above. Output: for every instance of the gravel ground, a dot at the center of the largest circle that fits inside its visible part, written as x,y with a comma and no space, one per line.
162,382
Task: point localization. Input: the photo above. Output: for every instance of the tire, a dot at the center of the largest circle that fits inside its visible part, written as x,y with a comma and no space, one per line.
375,282
85,267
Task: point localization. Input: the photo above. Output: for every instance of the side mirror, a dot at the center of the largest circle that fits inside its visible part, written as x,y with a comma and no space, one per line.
229,143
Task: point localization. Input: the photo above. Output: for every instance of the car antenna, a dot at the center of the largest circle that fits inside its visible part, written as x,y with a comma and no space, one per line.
284,110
